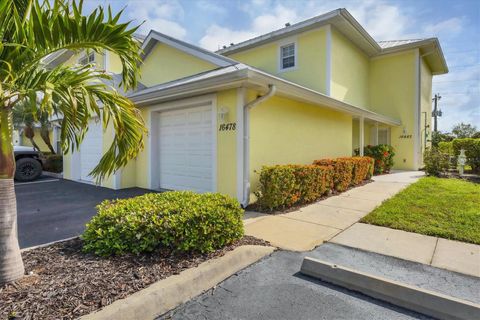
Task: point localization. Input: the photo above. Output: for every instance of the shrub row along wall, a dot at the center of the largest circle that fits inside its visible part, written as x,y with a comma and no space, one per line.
382,154
180,220
283,186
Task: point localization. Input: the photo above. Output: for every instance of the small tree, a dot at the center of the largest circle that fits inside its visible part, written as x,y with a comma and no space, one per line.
464,130
30,31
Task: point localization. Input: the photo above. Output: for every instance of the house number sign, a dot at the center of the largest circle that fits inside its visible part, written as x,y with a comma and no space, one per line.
227,126
405,136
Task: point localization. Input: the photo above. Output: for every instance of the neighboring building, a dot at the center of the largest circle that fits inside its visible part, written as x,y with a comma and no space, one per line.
319,88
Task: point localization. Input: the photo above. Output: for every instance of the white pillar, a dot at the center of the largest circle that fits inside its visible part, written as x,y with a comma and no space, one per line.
361,135
375,136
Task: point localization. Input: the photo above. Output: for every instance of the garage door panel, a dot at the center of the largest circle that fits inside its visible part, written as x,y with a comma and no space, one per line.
91,150
186,149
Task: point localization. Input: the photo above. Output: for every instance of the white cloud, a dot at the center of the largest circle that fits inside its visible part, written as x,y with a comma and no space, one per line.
216,36
450,26
159,15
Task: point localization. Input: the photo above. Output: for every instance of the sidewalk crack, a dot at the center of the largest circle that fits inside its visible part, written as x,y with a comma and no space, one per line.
434,250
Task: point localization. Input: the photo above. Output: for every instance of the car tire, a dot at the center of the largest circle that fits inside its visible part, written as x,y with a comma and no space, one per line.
27,169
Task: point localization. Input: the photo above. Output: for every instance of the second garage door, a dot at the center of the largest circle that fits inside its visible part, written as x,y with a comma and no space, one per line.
186,149
91,150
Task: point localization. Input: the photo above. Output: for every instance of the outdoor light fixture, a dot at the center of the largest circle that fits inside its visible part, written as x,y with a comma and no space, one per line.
223,114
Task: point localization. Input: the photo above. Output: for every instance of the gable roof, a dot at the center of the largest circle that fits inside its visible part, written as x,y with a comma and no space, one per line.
63,55
154,37
346,24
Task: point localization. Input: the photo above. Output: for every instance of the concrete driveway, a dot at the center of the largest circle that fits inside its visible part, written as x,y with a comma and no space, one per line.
55,209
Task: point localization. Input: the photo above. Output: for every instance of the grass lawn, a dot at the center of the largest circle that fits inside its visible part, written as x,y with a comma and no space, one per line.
446,208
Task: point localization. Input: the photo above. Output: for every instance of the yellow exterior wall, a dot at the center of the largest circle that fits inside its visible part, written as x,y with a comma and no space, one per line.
114,63
311,61
426,105
227,145
393,93
285,131
165,63
349,72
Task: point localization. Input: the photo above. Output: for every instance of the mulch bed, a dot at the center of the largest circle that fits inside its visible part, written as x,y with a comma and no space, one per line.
65,283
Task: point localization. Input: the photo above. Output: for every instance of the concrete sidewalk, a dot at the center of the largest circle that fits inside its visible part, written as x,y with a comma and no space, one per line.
441,253
310,226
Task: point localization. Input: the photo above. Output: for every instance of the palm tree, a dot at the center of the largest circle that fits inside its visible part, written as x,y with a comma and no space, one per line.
30,31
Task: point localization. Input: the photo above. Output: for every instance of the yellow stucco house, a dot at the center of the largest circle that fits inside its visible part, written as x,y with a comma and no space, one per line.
319,88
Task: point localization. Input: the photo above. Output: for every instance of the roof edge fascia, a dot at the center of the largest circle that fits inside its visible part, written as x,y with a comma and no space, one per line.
185,47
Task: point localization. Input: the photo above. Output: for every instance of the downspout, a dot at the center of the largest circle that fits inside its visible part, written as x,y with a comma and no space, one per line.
246,143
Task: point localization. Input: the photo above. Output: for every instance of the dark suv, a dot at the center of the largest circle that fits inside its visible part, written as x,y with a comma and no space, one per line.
29,163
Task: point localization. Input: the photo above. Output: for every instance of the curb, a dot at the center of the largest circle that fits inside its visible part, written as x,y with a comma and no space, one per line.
168,293
427,302
53,174
48,244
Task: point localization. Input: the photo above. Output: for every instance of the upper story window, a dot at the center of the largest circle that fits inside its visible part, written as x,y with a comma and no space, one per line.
88,58
287,56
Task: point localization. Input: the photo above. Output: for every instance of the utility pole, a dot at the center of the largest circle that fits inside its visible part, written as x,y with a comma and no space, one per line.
436,113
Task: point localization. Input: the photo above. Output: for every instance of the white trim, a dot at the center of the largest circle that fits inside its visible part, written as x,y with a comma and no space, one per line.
106,61
361,135
241,92
328,67
188,48
416,113
280,45
154,112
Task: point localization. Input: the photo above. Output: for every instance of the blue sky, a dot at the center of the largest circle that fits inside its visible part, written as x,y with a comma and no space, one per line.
213,23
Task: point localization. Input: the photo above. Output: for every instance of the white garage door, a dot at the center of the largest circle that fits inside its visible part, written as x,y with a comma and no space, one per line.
91,150
186,149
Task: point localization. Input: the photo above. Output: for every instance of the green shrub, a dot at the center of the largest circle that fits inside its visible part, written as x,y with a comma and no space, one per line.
436,162
283,186
382,154
362,169
446,147
472,151
53,163
180,220
342,171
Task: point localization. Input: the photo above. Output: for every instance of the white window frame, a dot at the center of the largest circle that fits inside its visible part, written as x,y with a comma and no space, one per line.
283,44
387,130
86,57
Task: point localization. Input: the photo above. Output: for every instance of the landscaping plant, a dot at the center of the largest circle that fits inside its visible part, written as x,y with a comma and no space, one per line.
180,220
32,30
283,186
383,155
342,171
436,162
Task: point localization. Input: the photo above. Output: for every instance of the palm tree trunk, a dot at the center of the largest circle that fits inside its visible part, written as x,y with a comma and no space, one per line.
11,264
30,133
46,138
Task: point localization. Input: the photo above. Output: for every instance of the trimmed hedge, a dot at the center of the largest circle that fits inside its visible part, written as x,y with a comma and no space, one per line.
283,186
472,151
348,171
180,220
342,171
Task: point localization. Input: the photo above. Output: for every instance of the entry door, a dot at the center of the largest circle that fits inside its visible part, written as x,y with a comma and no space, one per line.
91,150
186,149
